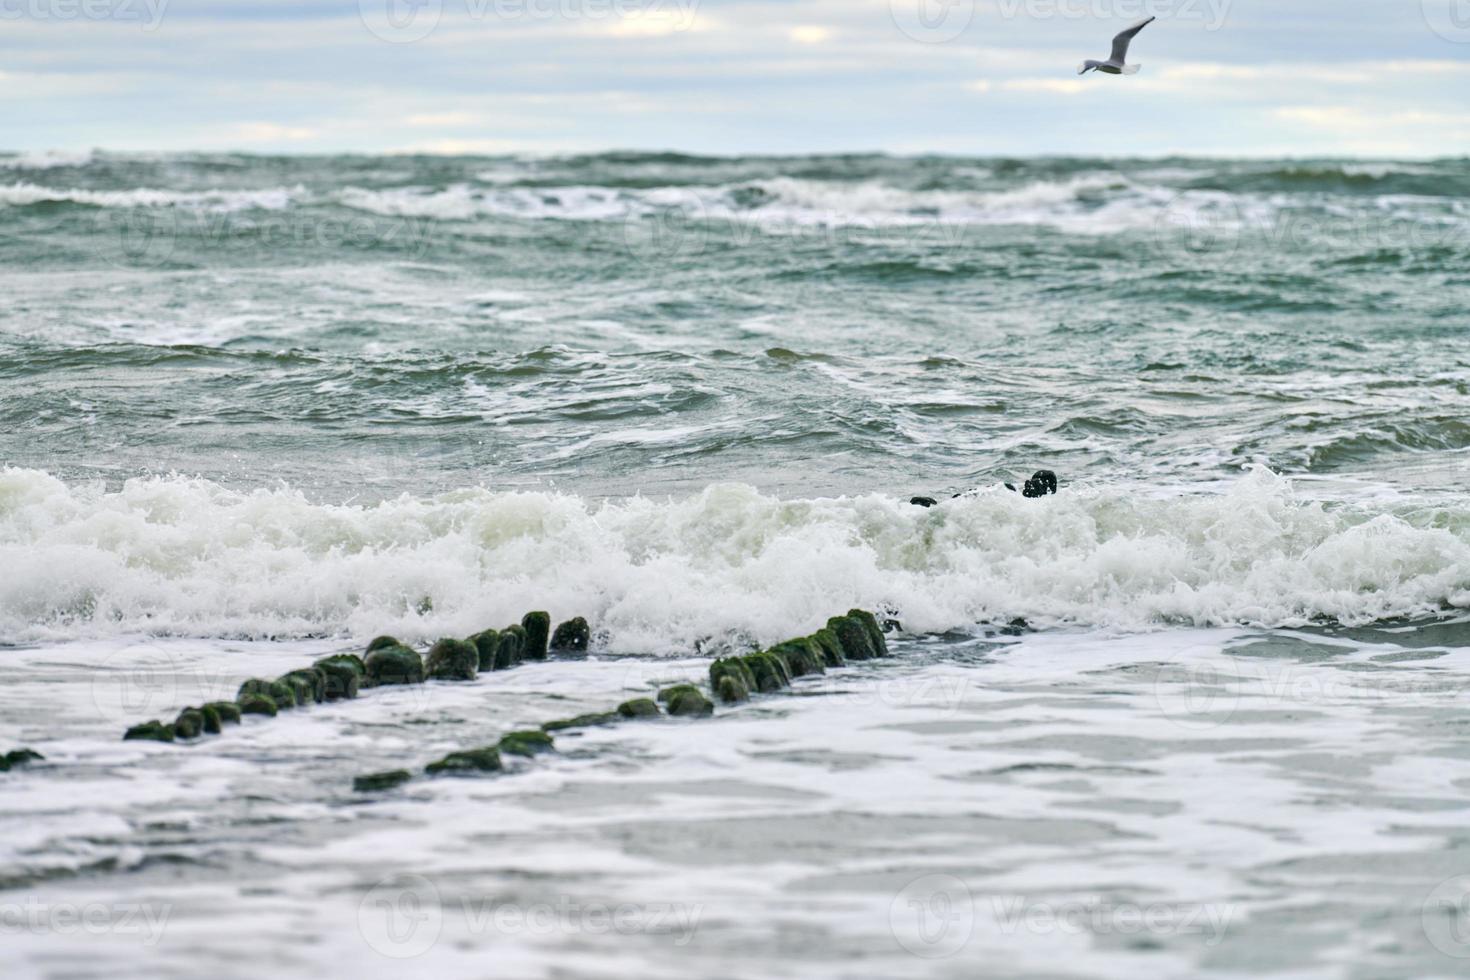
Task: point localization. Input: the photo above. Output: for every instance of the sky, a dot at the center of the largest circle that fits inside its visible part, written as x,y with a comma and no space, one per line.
1378,78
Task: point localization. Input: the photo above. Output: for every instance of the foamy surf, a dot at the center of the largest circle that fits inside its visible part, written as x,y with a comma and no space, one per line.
186,556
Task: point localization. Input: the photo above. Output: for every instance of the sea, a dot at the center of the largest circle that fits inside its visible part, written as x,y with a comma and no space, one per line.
1203,713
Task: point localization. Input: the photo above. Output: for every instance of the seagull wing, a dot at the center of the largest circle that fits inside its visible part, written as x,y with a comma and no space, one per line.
1120,43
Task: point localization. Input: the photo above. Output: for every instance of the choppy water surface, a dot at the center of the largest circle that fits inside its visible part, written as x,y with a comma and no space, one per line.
252,409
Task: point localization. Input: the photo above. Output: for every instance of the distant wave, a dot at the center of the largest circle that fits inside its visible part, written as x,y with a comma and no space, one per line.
48,160
21,193
188,556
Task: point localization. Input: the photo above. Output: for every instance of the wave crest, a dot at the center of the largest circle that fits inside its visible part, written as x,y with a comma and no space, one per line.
188,556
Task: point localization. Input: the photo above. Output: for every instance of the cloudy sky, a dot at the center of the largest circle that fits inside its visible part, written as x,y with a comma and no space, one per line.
1227,77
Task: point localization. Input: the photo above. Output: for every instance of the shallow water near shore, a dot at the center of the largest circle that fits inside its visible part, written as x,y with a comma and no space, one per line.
1201,714
1184,803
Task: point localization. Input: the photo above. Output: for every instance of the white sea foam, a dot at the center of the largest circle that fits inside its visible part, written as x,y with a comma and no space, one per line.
275,199
189,556
46,160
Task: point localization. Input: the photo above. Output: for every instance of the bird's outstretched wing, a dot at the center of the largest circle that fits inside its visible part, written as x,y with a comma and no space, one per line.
1120,43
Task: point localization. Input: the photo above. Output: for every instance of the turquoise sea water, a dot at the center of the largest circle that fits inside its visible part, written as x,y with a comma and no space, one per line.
254,408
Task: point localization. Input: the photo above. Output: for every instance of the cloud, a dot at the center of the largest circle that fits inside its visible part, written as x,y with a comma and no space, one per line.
810,34
1054,86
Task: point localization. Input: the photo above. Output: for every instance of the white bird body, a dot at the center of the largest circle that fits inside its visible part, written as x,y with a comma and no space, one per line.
1117,61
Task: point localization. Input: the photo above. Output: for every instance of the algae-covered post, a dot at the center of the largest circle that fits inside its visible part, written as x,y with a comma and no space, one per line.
573,636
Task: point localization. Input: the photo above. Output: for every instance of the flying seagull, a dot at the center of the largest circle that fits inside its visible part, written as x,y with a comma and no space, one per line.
1115,65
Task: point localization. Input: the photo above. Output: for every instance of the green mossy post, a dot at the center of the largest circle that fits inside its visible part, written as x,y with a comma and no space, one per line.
874,631
19,757
189,724
343,679
800,657
281,693
228,711
639,708
769,672
525,743
213,724
853,635
686,701
538,635
831,647
303,686
487,644
453,660
395,665
581,721
149,731
258,704
731,679
573,636
471,761
381,780
508,652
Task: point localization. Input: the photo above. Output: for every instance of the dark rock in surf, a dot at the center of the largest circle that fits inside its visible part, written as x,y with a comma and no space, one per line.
732,680
571,636
581,721
381,643
307,686
395,665
800,657
150,731
282,695
853,637
228,712
19,757
189,724
538,635
875,632
639,708
517,631
525,743
342,677
769,672
213,723
924,502
453,660
380,780
686,701
1042,483
487,643
831,647
469,762
258,704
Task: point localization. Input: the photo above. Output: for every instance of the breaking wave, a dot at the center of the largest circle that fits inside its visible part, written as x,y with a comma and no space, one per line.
186,556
